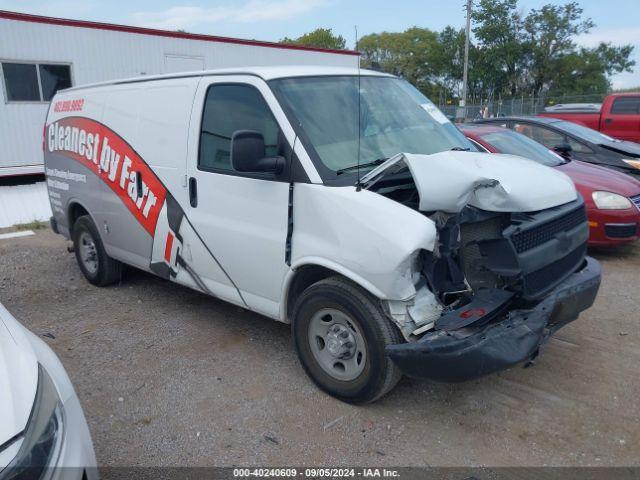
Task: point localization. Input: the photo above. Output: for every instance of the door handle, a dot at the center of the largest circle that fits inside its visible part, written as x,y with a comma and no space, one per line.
608,120
193,192
139,184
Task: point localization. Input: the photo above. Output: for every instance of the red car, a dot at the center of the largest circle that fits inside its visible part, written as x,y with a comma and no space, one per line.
612,198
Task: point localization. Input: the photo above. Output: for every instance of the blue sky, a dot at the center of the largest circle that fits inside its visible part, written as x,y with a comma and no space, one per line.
618,21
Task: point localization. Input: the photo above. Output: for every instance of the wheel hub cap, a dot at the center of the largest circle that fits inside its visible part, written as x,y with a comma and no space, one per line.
88,253
337,344
340,342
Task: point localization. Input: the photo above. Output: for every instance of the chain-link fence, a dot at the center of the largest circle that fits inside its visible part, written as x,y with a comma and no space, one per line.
523,105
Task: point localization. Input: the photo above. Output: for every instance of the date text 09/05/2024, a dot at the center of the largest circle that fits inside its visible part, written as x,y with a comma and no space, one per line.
315,472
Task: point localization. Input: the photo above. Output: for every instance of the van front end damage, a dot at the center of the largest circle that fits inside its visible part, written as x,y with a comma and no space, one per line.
507,269
483,344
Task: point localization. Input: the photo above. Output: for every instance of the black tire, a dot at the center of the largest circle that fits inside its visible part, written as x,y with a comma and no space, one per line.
379,374
107,270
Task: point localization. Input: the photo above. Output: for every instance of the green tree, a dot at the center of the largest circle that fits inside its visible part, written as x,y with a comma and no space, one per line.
414,54
587,70
513,53
500,50
549,45
536,53
557,65
449,60
319,38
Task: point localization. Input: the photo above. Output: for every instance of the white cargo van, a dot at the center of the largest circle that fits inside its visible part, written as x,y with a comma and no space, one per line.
339,201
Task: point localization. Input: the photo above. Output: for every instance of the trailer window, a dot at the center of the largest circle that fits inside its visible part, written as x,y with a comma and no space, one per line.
34,82
229,108
54,78
21,82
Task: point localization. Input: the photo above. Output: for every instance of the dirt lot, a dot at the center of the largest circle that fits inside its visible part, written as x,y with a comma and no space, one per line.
168,376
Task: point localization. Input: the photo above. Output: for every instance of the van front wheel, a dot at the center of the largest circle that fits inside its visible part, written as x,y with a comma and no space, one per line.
96,265
340,333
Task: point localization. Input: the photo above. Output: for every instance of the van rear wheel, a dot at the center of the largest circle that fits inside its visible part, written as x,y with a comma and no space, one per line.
340,333
95,264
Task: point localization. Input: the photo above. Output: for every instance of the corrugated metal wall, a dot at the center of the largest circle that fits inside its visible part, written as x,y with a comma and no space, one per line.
99,55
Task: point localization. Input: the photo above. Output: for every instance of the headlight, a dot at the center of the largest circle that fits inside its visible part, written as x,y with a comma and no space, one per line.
610,201
42,436
633,163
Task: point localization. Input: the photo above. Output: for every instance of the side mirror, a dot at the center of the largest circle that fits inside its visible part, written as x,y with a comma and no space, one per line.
248,154
564,149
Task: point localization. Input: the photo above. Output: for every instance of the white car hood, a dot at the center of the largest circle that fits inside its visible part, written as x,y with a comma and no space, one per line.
18,382
448,181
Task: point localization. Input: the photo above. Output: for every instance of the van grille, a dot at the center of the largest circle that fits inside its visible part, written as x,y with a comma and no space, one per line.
537,282
470,234
531,238
494,256
636,200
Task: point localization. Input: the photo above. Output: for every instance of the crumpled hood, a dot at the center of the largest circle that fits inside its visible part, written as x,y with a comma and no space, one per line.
448,181
18,382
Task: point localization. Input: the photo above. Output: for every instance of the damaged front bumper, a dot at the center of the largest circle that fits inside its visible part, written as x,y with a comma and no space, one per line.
472,352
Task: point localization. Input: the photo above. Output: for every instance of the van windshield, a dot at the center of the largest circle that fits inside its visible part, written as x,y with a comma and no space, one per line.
394,118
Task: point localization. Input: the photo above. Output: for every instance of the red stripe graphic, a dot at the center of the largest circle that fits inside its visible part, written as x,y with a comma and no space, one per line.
113,160
167,248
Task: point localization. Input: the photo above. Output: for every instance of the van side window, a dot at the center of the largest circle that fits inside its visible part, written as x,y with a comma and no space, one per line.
229,108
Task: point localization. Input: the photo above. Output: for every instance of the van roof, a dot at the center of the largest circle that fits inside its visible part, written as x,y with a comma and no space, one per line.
266,73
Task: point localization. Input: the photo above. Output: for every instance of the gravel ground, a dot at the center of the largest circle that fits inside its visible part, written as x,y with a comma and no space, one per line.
168,376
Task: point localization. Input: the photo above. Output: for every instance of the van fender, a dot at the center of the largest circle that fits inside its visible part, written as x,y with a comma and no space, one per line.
71,202
330,265
362,235
67,232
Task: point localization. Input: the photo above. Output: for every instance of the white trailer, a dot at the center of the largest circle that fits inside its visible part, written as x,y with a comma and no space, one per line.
39,55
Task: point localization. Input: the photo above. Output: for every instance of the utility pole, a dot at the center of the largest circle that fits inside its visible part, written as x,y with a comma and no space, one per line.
465,74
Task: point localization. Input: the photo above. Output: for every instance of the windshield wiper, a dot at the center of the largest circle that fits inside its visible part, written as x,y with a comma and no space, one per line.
375,163
460,149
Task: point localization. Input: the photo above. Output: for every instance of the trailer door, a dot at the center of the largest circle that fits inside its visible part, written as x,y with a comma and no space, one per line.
241,217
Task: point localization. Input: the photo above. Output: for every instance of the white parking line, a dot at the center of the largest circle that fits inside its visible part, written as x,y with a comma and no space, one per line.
24,233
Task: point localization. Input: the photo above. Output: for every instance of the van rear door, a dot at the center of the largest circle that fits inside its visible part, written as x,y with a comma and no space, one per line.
241,217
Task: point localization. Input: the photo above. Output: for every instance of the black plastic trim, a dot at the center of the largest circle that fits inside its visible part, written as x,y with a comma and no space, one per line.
473,351
54,224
